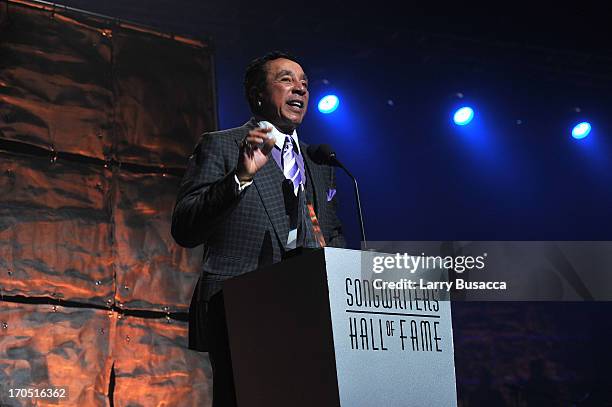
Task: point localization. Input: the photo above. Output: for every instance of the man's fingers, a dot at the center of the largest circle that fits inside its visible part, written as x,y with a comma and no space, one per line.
262,132
259,139
256,140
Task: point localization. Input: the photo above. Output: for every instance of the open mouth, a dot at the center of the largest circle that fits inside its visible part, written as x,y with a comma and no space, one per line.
296,103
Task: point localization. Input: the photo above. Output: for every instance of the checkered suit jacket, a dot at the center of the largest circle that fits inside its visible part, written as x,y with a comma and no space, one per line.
241,231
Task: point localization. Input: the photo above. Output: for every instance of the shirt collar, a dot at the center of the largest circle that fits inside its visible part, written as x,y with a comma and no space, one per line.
279,136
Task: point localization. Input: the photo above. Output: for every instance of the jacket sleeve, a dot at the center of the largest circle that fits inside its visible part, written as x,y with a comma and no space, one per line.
336,238
207,193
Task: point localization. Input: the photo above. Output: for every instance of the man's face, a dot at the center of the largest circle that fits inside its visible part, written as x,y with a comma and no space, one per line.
285,97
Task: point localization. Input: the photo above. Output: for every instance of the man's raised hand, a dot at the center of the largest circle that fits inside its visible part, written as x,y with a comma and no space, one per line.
254,153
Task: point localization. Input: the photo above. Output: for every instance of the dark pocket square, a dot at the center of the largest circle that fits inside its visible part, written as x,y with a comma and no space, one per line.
330,194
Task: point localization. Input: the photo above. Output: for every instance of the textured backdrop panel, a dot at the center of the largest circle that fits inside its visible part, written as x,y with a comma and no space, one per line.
45,345
154,368
165,98
153,272
55,83
88,220
55,230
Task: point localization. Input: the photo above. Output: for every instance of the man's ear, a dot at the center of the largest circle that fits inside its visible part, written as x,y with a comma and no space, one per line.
260,96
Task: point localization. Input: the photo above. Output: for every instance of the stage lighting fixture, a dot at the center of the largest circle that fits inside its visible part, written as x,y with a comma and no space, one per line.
463,116
328,104
581,130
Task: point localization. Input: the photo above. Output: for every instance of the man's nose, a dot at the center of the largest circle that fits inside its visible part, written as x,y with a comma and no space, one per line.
299,88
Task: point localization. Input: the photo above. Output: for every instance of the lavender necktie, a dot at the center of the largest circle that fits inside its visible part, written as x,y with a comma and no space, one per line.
290,165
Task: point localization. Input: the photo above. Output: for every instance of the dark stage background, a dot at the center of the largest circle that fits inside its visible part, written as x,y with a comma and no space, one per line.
515,174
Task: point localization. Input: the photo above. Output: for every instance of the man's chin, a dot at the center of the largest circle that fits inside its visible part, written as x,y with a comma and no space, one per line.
286,123
290,124
295,121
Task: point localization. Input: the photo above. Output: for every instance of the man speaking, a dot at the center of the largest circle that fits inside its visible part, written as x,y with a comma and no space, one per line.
250,195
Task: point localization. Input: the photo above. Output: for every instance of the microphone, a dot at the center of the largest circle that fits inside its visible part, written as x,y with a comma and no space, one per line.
323,154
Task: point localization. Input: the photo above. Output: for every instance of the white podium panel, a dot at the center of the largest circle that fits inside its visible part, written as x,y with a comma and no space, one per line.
317,330
392,347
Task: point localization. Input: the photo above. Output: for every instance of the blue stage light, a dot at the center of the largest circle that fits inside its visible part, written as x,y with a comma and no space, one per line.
581,130
463,116
328,104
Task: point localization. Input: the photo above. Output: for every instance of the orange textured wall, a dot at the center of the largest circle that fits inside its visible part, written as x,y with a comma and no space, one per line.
97,119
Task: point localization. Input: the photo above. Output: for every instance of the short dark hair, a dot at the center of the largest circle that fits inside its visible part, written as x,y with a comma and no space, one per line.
255,75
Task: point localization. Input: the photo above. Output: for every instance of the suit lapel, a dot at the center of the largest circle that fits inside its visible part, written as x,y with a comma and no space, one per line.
269,184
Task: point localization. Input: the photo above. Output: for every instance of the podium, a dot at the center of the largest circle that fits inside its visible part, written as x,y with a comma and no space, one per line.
313,330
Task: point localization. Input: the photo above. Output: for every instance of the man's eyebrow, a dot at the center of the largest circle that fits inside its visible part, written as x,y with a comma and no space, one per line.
290,73
284,72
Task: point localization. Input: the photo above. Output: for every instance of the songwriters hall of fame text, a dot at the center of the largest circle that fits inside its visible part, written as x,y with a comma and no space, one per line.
381,319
